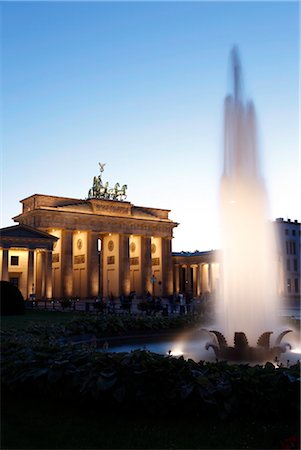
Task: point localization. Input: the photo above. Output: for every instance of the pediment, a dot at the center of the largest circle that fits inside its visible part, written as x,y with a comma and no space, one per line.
25,232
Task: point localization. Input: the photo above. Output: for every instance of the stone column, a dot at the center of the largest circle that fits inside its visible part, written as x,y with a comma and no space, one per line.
30,273
176,278
188,279
198,280
194,280
209,278
167,266
40,275
38,283
183,274
124,264
146,264
66,264
101,266
204,278
48,275
93,264
43,274
4,275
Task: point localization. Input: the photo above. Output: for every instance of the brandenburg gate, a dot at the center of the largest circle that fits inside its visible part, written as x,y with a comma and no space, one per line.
105,246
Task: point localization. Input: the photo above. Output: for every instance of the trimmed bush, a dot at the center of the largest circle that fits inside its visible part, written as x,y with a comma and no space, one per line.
144,381
11,300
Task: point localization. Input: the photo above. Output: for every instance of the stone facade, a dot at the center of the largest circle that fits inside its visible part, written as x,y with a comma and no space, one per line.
25,260
196,273
66,247
103,246
289,250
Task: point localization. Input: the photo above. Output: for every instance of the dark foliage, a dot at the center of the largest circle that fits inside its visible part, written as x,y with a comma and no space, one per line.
11,300
144,381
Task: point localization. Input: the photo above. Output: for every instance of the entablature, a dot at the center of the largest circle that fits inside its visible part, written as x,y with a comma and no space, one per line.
46,220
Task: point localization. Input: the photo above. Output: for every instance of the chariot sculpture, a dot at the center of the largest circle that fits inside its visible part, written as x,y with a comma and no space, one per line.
103,191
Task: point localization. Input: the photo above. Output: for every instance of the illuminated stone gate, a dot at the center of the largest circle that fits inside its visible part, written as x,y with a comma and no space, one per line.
104,246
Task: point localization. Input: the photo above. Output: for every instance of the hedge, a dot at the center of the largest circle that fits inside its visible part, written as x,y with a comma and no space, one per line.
146,382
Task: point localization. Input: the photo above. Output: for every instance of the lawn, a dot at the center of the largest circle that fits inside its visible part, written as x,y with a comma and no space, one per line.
36,316
59,317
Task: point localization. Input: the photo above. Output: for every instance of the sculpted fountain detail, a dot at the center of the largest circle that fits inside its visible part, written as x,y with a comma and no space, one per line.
248,308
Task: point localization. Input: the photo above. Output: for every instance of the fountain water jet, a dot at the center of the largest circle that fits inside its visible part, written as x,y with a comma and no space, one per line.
249,304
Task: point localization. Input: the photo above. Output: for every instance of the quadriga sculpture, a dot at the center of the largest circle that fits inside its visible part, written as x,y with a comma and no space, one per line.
98,190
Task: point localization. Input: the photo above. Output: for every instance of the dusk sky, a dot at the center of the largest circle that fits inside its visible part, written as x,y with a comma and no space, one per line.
140,86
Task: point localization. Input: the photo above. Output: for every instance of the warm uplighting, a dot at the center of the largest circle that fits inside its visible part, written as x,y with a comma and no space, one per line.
176,352
296,350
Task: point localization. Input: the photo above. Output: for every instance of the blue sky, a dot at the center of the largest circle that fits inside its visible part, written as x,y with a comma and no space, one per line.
140,86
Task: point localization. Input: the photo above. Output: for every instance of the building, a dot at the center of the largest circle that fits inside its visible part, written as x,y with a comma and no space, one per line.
66,247
26,260
288,241
196,273
100,246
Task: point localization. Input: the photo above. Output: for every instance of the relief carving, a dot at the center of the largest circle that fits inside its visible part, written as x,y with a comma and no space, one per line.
79,259
110,260
134,261
55,257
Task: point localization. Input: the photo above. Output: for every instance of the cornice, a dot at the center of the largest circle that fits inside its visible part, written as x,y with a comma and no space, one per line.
93,218
69,221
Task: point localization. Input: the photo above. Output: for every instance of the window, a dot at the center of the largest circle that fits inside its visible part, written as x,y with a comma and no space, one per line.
288,265
295,265
293,248
293,232
286,232
289,286
14,260
287,248
296,285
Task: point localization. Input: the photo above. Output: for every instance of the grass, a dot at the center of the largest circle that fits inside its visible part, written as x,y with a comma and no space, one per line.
31,424
36,316
59,317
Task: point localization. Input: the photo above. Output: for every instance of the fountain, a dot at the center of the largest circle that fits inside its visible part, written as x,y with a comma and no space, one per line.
249,305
